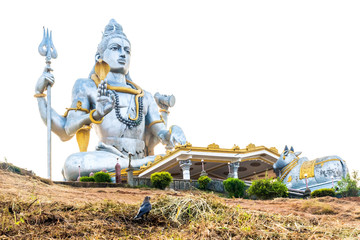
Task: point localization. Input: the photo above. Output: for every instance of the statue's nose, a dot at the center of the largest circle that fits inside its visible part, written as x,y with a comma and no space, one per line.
121,53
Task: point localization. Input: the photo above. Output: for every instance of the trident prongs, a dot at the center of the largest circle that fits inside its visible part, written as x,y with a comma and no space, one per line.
46,47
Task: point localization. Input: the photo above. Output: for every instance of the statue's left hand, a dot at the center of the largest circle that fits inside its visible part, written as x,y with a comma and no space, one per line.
177,136
46,78
105,101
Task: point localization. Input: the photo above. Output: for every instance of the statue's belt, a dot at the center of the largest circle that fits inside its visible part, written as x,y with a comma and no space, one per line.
127,145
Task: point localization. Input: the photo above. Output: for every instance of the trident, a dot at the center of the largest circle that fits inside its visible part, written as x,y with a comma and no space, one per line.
47,49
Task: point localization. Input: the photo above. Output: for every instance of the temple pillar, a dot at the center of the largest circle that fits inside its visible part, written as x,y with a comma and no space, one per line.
234,167
185,166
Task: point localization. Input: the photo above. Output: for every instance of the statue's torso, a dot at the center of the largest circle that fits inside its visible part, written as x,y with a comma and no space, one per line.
112,131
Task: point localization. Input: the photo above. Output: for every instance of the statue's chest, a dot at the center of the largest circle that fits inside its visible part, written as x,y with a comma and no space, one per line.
127,119
128,106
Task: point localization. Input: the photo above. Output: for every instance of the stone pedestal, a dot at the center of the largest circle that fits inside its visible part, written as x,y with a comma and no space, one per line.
130,176
185,166
203,173
230,175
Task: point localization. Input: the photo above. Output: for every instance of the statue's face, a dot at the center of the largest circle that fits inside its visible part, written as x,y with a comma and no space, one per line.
117,55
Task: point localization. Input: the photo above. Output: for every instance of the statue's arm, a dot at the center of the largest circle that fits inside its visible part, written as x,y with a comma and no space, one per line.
81,92
89,97
57,121
168,137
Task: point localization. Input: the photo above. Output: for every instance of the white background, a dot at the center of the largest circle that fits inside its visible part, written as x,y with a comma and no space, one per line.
265,72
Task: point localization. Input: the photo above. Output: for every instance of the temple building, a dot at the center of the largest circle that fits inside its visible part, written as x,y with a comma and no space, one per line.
188,162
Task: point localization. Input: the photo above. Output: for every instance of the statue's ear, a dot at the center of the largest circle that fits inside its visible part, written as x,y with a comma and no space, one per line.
297,153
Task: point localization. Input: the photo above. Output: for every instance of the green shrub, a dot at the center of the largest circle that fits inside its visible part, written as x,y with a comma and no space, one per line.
161,180
235,187
347,187
87,179
203,182
323,192
102,177
268,188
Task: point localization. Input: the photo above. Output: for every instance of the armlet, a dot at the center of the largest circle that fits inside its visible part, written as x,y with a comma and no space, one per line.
78,107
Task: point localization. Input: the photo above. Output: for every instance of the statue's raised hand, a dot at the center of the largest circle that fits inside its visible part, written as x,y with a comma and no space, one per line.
44,80
105,101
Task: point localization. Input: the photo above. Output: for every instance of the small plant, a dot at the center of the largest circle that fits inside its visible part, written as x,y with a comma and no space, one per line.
203,182
102,177
235,187
161,180
347,187
323,192
87,179
268,188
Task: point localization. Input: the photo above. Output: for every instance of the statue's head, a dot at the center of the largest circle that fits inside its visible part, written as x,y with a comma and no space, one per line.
286,157
115,48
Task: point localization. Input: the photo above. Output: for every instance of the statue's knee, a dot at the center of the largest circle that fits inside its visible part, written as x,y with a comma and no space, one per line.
71,166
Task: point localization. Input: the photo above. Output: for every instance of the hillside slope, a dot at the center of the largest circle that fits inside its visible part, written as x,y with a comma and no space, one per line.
31,208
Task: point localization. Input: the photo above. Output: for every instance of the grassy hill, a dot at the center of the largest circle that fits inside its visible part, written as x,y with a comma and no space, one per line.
34,208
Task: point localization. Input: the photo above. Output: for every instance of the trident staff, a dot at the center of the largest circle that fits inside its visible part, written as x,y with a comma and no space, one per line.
47,49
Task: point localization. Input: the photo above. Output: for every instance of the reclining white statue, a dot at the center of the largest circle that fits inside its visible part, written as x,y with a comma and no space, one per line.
125,117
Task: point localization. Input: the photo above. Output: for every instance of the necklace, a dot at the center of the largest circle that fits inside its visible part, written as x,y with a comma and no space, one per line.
129,122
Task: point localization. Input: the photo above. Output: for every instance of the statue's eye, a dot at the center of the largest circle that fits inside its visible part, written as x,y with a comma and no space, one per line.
113,48
127,50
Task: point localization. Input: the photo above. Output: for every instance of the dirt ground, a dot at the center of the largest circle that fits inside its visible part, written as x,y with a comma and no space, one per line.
345,210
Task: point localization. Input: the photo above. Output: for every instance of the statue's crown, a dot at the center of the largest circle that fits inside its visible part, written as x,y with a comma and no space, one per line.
113,28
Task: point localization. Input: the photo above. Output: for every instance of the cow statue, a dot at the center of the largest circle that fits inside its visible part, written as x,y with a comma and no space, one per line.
320,173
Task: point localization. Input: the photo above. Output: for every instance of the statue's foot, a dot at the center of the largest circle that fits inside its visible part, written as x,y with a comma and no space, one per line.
97,161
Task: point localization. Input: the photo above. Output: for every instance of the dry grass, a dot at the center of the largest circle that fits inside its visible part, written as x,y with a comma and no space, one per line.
202,216
314,206
44,212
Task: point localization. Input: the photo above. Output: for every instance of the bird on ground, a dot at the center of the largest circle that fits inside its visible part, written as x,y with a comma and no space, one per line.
144,208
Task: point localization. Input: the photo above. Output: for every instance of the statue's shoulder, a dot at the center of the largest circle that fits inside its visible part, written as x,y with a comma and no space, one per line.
84,84
147,95
149,99
84,87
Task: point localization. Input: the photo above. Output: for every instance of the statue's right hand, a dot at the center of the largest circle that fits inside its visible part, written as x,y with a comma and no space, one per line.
44,80
105,101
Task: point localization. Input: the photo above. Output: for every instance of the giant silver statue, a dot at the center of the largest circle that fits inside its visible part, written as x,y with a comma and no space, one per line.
300,173
125,117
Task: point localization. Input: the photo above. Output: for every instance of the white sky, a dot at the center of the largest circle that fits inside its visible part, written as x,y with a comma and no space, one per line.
264,72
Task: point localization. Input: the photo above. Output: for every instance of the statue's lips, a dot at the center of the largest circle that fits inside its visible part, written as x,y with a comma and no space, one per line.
121,61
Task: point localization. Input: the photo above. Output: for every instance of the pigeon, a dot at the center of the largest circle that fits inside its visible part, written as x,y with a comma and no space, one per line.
144,208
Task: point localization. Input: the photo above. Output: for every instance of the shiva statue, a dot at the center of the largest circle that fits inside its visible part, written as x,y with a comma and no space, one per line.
125,117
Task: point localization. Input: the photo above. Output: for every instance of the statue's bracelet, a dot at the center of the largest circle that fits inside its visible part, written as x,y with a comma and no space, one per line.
92,118
39,95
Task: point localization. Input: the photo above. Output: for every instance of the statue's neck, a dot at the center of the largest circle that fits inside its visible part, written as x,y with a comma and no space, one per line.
116,79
